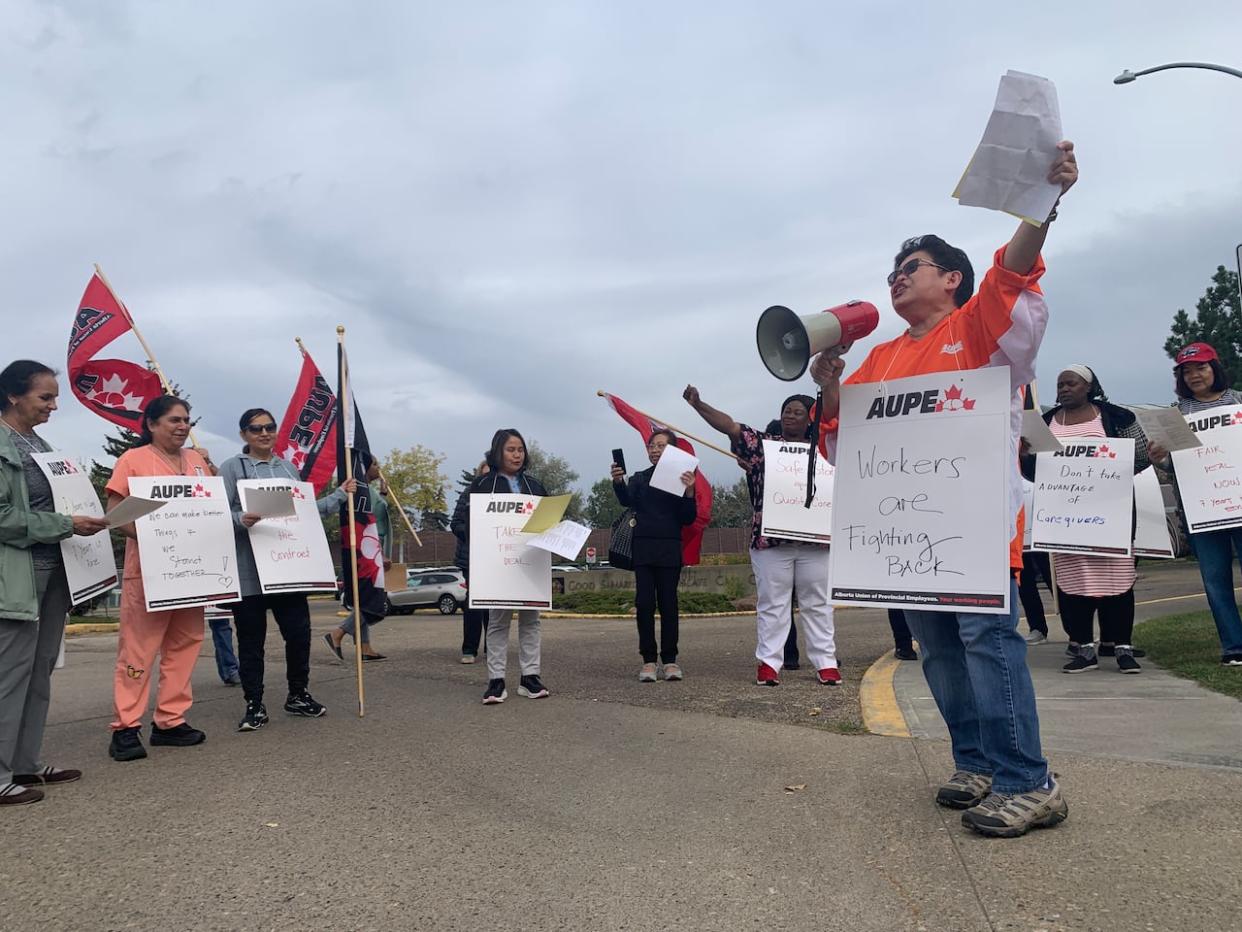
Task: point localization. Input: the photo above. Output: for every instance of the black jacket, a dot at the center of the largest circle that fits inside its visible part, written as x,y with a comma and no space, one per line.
488,484
1117,421
659,517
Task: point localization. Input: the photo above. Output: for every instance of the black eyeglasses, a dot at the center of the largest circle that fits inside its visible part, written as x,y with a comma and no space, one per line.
268,428
910,268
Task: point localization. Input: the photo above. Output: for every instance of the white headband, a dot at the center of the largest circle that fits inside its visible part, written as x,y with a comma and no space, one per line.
1082,372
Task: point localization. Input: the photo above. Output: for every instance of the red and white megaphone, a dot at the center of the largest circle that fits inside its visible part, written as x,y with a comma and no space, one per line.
787,342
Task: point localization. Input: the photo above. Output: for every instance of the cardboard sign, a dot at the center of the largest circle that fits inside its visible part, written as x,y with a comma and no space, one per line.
1151,528
90,565
1209,477
291,553
505,572
186,548
920,515
785,514
1084,498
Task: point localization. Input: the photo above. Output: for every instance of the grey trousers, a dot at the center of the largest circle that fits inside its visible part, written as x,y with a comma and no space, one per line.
498,623
28,651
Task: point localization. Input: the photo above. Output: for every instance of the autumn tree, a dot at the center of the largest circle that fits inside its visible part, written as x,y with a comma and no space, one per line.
415,478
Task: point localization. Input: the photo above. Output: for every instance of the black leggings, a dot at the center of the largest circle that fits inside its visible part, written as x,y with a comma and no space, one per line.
1116,616
657,584
1034,565
292,616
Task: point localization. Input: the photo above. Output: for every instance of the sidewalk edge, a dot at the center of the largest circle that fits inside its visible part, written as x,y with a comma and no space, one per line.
880,711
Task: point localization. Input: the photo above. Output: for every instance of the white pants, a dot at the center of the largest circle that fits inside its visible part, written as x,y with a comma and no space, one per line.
498,622
778,572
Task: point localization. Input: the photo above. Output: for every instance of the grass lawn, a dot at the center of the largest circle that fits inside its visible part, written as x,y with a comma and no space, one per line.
1188,646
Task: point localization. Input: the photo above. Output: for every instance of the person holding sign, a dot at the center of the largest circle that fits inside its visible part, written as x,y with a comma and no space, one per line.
34,591
175,635
257,460
506,462
659,517
1087,584
1201,383
780,565
974,662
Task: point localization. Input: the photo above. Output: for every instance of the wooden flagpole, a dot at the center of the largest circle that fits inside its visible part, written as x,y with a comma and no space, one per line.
682,433
353,529
1052,567
151,360
397,502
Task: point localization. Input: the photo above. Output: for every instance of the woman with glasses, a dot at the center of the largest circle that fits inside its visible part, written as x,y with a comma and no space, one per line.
257,460
659,517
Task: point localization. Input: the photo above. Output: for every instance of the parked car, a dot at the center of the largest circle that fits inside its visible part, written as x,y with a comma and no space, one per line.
569,568
440,589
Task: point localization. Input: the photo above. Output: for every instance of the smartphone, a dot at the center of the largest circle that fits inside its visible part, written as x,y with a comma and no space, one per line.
618,457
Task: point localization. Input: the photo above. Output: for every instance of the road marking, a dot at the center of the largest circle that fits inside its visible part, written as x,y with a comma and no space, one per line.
876,695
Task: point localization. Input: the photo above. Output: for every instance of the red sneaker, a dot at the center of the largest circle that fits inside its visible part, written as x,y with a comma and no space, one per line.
766,676
830,676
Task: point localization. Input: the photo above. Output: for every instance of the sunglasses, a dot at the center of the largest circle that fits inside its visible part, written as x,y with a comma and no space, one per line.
268,428
910,268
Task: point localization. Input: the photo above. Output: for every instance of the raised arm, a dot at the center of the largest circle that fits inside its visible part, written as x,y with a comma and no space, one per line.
717,419
1024,248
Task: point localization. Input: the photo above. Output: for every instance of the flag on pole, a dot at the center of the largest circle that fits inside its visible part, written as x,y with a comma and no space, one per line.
115,389
307,437
691,535
351,438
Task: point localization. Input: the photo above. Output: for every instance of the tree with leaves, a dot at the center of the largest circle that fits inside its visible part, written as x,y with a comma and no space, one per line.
602,507
557,476
1218,320
731,505
414,475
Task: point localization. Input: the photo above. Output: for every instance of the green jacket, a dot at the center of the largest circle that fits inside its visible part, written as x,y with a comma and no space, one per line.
19,529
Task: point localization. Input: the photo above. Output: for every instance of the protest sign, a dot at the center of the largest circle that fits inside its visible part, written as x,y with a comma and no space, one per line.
1084,498
785,514
1151,528
505,572
186,548
90,566
1209,477
1028,509
290,552
920,514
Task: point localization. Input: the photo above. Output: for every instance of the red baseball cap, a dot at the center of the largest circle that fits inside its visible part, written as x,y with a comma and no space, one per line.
1196,352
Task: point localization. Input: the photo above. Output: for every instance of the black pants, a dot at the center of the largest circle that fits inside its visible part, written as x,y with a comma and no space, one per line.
292,616
901,631
473,624
657,584
1116,616
1034,565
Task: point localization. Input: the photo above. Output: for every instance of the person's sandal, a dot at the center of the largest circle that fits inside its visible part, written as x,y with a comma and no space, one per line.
335,648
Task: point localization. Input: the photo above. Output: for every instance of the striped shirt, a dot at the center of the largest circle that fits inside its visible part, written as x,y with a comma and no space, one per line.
1194,405
1083,574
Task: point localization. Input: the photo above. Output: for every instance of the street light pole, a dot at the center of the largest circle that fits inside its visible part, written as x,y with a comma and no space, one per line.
1128,76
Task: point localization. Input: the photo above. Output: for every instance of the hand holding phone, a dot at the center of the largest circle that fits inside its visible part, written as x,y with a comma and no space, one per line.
618,457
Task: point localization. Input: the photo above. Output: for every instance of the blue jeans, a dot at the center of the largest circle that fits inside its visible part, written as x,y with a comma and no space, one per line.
975,665
1214,551
222,638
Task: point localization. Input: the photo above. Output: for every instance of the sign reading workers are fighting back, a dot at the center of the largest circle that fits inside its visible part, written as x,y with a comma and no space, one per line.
920,513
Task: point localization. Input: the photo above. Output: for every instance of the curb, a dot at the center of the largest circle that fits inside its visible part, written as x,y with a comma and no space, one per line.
92,628
880,711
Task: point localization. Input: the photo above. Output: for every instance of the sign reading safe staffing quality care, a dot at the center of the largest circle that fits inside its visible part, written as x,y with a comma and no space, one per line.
920,515
90,566
291,553
505,571
1210,477
1084,498
187,549
785,514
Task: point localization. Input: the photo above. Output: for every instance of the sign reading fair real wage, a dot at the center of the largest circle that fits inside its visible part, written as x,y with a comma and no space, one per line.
785,514
291,553
505,571
90,566
1210,476
920,515
187,549
1084,498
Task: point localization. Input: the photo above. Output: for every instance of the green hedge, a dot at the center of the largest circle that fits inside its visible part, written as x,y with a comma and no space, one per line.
614,602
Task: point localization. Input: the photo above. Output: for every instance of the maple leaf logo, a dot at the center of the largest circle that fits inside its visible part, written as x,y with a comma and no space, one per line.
297,493
530,506
954,400
296,455
200,492
1104,452
113,394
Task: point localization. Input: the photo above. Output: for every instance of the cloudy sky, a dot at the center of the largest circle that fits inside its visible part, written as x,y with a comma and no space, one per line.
510,206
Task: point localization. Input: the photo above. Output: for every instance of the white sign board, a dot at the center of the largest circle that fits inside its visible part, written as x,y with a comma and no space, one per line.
785,514
1028,501
186,548
920,515
1151,528
505,571
90,566
1084,497
1209,477
290,553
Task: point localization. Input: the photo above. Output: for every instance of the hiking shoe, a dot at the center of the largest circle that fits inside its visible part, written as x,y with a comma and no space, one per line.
468,658
302,704
531,687
255,717
673,672
829,676
1126,662
496,692
905,653
127,745
179,736
647,673
48,776
766,676
1084,659
1008,815
1231,660
964,789
1036,637
1110,650
13,794
1071,650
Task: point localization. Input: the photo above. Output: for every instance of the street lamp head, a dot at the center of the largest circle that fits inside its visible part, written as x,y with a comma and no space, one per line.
1125,77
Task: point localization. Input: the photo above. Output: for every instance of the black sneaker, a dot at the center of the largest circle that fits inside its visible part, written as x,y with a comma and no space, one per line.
1231,660
182,736
1084,659
302,704
905,653
255,717
496,692
127,745
531,687
1110,650
1126,662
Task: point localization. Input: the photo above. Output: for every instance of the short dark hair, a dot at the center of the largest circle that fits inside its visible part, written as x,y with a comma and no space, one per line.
156,409
495,455
249,415
668,434
1220,379
17,377
950,257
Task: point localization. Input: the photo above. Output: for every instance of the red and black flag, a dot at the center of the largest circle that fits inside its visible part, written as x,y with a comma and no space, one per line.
115,389
307,437
351,437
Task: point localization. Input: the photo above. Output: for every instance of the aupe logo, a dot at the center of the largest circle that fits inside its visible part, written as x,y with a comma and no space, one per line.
1216,420
503,508
932,401
180,491
1103,451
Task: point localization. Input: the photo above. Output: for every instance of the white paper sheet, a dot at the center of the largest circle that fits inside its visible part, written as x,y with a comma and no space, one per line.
1168,428
1035,431
673,462
565,539
132,508
1009,170
270,503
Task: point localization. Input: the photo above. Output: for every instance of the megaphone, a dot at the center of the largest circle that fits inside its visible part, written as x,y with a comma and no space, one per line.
787,342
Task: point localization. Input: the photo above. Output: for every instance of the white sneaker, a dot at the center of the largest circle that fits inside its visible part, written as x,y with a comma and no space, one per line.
673,672
1036,637
468,658
647,673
